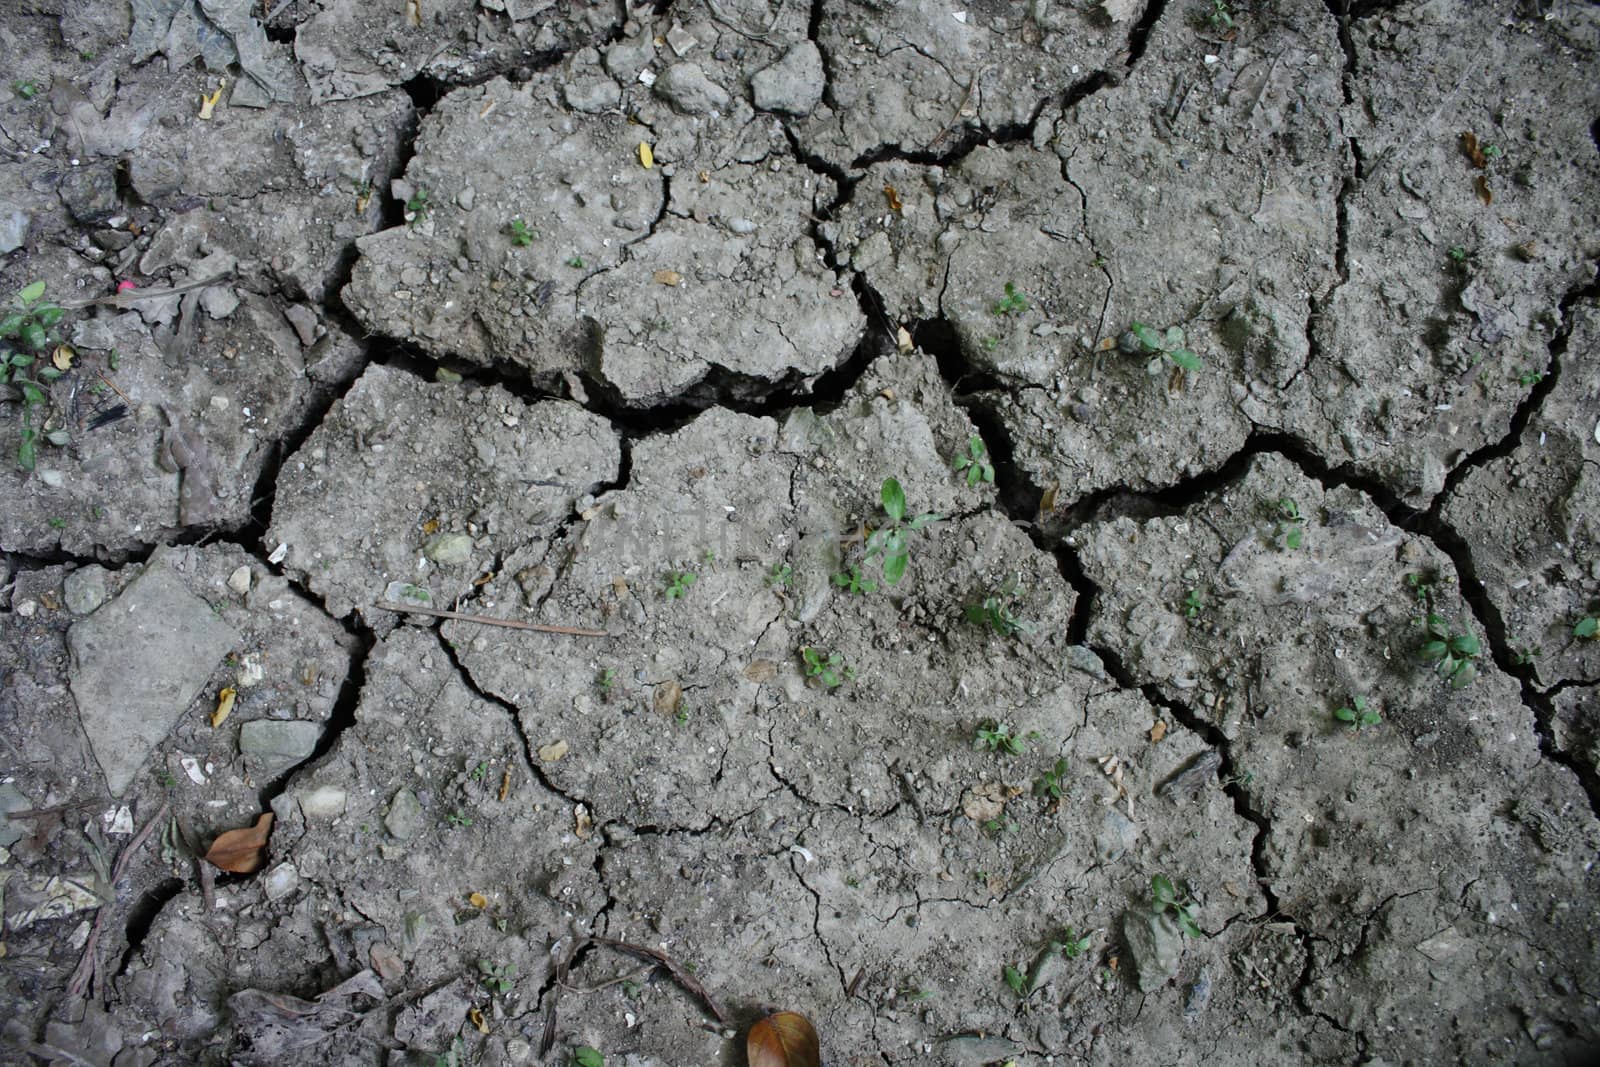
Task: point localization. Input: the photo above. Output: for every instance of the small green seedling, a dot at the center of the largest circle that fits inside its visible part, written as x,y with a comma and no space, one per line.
1356,715
914,993
682,717
576,261
607,679
479,771
996,611
1193,605
1587,628
25,88
1165,899
1291,524
1220,17
780,576
828,669
521,236
24,337
1052,783
975,462
1168,345
585,1056
991,343
1421,586
891,540
1072,946
854,581
417,207
1000,826
1015,980
1457,254
1015,302
678,583
1524,655
1530,377
456,820
57,523
1452,653
997,737
498,977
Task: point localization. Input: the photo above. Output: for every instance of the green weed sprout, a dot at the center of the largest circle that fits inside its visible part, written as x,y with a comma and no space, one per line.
829,668
1356,714
521,236
975,462
417,207
1168,345
1166,899
1291,524
678,583
1587,628
587,1056
891,540
997,737
996,611
1051,784
498,977
24,336
854,581
1072,946
1015,302
1453,654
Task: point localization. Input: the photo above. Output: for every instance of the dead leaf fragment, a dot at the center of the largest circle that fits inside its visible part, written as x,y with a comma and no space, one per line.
63,356
1482,186
386,961
646,156
242,851
225,701
582,821
552,752
891,194
668,696
1474,151
668,277
761,670
430,527
1158,731
476,1015
902,339
783,1039
413,13
478,900
985,802
505,786
209,101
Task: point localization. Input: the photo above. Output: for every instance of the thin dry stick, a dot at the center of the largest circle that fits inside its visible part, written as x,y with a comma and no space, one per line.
86,969
674,968
489,620
130,296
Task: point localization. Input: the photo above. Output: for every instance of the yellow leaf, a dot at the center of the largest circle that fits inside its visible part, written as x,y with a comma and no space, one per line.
225,701
63,356
668,277
210,101
476,1015
1158,731
647,157
478,900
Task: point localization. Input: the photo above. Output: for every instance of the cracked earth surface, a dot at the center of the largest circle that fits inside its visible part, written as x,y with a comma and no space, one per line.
520,310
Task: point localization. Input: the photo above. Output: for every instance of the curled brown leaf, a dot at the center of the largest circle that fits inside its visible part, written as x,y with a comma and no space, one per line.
244,850
783,1039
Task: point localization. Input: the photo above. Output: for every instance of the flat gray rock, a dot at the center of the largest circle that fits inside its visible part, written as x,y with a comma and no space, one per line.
138,663
793,84
271,746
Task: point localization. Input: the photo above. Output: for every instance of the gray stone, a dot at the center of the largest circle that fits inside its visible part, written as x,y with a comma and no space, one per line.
449,549
1155,942
323,802
219,301
85,589
90,193
1116,836
137,663
793,84
404,818
592,95
280,881
686,87
239,580
13,226
304,321
271,746
12,799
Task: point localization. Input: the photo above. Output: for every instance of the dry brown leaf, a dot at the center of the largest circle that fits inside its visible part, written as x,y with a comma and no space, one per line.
668,277
902,339
553,751
505,786
430,527
893,196
1158,731
414,12
1047,500
1106,344
646,156
241,851
225,701
478,900
208,102
1482,185
985,802
668,696
1474,151
761,670
783,1039
476,1015
582,821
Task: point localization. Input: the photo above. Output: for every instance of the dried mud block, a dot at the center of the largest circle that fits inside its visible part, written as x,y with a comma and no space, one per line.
1529,521
1267,635
138,663
399,462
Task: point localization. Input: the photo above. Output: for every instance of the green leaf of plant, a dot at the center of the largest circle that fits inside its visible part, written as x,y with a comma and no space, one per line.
923,520
31,394
1185,359
27,457
1466,644
894,499
1437,650
32,292
58,437
1161,889
974,476
1344,715
1587,627
1174,337
1294,537
12,323
584,1056
1147,337
894,567
1463,676
20,360
48,315
33,335
1014,979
